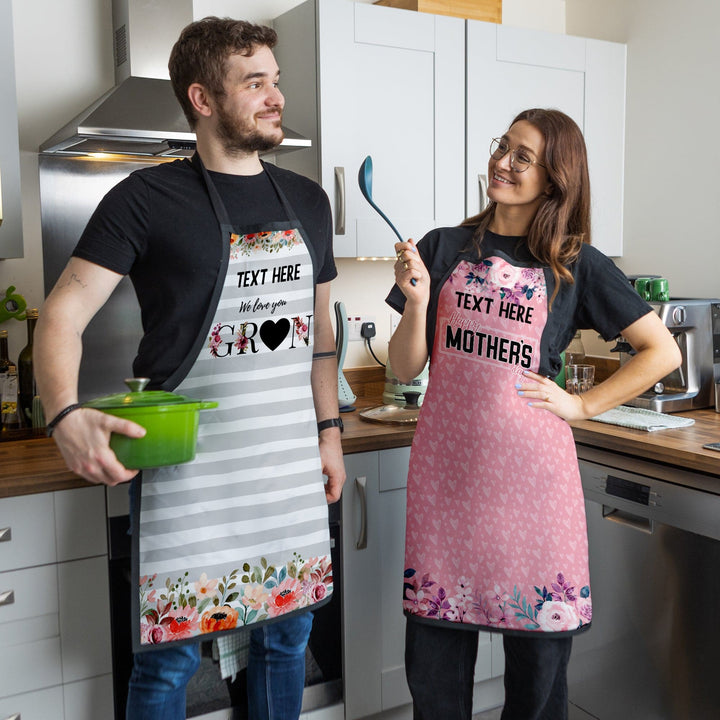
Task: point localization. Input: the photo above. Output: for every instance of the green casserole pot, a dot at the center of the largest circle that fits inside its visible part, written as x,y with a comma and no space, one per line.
170,421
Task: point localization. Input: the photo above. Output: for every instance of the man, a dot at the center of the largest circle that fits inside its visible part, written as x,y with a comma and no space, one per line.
231,261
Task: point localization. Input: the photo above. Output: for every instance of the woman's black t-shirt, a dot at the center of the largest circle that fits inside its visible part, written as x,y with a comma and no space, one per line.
601,297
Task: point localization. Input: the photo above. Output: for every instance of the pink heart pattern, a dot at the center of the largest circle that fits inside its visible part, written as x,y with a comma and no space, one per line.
496,532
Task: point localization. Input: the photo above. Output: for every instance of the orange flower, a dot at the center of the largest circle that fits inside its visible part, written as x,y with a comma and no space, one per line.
221,618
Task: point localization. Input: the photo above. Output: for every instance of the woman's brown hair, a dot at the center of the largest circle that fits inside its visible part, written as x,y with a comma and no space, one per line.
562,222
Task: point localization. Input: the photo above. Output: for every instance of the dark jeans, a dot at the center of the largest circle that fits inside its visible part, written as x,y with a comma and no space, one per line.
440,662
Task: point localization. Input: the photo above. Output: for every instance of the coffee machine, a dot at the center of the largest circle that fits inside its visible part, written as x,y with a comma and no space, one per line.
695,325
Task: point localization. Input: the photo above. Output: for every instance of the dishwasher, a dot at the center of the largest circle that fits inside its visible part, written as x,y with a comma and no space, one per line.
653,651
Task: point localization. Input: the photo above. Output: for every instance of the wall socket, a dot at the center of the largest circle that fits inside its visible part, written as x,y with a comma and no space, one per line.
355,323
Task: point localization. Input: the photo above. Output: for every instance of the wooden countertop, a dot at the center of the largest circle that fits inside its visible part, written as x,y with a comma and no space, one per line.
34,464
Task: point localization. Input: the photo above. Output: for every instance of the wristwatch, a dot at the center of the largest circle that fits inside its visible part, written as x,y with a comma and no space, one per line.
332,422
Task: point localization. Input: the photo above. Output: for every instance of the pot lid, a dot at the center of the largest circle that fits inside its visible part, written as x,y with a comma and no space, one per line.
138,397
395,414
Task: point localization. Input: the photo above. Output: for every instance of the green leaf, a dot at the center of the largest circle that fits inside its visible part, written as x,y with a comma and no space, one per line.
231,597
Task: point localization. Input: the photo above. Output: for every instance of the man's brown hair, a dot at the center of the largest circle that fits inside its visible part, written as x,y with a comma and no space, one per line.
201,53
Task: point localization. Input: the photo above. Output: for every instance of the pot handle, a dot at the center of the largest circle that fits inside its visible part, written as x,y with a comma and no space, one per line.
207,405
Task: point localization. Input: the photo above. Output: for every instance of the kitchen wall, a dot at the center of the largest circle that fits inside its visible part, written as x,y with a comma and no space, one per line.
672,213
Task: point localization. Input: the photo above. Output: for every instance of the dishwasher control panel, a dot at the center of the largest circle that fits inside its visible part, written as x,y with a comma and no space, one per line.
653,500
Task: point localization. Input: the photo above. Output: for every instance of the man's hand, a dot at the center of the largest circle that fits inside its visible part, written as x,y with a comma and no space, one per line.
83,438
333,465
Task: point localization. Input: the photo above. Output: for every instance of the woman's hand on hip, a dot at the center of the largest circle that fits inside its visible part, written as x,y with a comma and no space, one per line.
545,394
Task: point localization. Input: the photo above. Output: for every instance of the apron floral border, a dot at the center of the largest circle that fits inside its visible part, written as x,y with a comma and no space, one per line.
271,241
181,609
556,610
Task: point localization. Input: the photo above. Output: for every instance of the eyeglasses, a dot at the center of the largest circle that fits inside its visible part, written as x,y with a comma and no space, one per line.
520,160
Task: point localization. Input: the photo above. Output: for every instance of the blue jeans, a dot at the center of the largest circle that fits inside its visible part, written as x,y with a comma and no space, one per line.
276,674
440,663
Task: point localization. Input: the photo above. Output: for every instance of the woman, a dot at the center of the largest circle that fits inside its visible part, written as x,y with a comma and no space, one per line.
496,536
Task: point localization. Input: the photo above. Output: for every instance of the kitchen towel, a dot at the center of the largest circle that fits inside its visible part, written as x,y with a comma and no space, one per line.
641,419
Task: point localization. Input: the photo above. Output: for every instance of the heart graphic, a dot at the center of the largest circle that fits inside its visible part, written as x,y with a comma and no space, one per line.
273,333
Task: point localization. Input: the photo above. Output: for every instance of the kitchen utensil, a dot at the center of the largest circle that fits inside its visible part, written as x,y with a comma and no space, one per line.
395,414
394,391
365,175
346,398
171,422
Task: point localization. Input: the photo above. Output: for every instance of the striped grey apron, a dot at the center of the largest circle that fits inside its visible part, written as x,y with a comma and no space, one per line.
239,536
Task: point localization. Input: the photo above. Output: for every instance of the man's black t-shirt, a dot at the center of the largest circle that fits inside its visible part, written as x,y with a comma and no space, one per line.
158,226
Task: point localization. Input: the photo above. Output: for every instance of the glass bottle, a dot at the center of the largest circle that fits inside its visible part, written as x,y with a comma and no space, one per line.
26,377
9,400
4,356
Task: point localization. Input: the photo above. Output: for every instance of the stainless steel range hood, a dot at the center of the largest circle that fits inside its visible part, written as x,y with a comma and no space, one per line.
140,116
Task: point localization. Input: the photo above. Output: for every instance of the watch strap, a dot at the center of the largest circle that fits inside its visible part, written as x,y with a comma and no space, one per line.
332,422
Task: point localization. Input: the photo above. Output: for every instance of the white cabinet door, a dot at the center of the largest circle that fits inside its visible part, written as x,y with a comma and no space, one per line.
27,531
511,69
80,523
39,705
362,623
89,699
390,84
84,618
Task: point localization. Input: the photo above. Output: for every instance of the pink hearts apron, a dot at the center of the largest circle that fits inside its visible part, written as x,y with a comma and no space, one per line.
496,534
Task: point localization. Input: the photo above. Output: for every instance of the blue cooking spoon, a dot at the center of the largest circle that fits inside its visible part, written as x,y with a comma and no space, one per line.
365,182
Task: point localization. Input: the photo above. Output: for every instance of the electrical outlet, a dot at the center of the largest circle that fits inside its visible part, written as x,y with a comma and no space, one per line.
355,324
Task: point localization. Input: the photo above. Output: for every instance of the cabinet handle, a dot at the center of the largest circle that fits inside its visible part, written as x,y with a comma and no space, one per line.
7,597
339,200
360,486
482,188
5,534
16,716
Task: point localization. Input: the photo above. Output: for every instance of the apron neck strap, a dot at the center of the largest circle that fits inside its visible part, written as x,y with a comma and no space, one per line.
219,206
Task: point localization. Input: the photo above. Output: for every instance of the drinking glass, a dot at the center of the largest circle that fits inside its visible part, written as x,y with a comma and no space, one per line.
579,378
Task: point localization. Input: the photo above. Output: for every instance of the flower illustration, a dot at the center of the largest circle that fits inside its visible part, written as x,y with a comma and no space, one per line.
301,330
182,623
283,597
151,633
205,588
556,616
215,340
220,618
255,596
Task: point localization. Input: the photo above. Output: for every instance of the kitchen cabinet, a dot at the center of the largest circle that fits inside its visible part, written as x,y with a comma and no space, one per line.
373,562
54,599
511,69
11,242
360,80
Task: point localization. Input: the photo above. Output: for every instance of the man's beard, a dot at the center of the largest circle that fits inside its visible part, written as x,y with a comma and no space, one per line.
240,136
